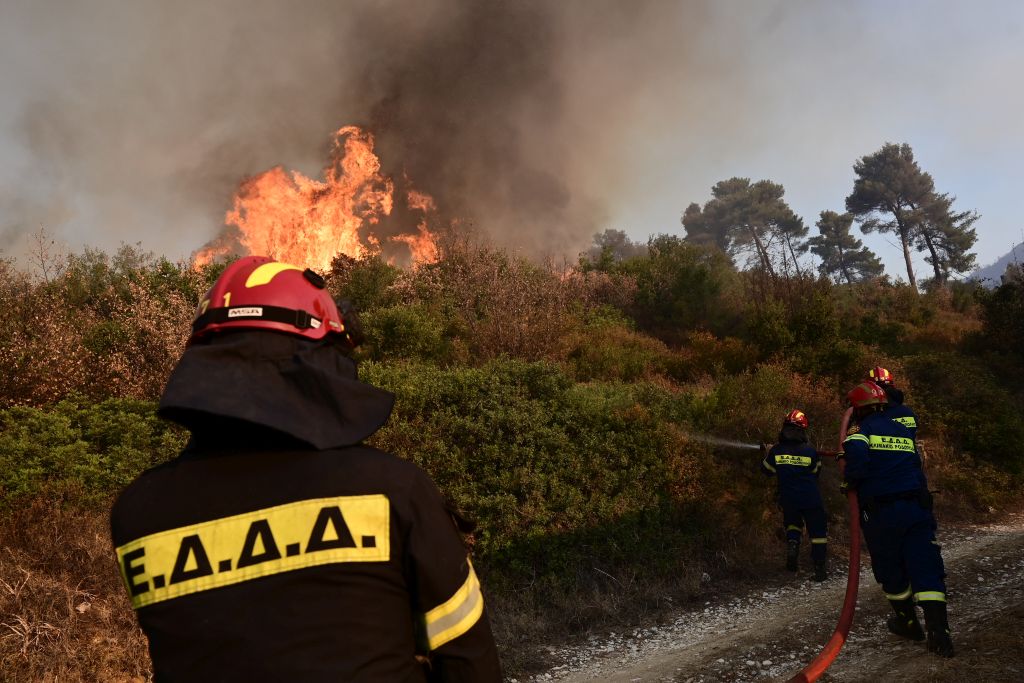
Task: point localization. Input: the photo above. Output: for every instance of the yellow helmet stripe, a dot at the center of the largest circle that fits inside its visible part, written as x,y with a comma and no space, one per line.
267,272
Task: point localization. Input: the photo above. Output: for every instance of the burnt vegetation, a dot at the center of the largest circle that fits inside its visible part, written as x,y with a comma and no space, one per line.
551,403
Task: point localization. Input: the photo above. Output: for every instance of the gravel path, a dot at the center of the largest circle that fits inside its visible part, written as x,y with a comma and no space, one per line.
770,634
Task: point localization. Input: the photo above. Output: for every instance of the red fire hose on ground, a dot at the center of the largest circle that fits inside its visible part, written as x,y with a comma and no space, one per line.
819,664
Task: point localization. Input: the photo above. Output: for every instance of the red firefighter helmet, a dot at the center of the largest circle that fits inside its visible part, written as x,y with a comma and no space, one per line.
867,394
259,293
797,417
880,375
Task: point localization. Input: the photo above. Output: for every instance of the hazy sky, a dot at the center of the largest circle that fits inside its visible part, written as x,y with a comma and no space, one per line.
134,121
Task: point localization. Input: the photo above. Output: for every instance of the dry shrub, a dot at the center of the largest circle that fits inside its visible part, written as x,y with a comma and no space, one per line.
505,305
706,355
65,615
111,336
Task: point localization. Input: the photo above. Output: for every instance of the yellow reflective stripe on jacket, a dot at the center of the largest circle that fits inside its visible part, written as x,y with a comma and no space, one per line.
899,596
794,527
457,615
819,541
891,443
856,437
908,422
768,465
225,551
786,459
934,596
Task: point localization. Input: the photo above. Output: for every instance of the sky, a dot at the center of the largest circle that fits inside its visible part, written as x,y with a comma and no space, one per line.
545,122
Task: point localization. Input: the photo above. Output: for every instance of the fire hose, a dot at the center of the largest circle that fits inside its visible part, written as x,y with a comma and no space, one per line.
819,664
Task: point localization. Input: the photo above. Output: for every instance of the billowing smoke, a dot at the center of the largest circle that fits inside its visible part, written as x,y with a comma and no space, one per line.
473,109
143,119
539,122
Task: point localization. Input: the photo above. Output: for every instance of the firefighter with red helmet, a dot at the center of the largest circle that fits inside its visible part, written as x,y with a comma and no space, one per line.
277,546
898,410
796,465
883,466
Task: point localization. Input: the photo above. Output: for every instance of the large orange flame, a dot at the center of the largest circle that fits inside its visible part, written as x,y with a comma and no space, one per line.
296,219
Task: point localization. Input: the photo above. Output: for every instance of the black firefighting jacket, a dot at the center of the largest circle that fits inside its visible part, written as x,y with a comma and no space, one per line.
273,554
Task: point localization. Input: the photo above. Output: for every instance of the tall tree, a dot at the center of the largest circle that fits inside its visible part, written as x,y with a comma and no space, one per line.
947,236
892,194
698,230
745,217
842,255
889,195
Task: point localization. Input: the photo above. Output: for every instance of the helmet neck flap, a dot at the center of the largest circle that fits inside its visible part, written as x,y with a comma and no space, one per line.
303,389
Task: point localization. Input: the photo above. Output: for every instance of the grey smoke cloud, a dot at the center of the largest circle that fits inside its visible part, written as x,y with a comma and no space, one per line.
149,115
539,122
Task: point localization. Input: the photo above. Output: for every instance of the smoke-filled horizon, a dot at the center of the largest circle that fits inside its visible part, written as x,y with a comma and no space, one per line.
540,123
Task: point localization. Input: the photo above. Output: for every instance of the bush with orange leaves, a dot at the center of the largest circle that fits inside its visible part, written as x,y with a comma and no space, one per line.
96,325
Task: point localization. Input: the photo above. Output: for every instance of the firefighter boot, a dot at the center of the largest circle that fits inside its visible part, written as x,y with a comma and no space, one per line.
937,625
820,570
792,553
904,623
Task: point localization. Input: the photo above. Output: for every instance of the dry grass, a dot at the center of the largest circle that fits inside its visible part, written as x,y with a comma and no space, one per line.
63,612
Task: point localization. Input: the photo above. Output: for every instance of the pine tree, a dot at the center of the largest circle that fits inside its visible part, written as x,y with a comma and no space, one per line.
744,217
947,236
843,256
889,195
892,194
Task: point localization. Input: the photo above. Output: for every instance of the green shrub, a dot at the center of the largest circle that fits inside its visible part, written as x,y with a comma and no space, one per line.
979,412
407,331
92,449
608,352
532,455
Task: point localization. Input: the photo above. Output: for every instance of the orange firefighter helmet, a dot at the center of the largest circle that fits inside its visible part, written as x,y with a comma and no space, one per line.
797,417
880,375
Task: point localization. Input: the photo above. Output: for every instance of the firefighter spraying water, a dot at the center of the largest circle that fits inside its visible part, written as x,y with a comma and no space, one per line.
796,465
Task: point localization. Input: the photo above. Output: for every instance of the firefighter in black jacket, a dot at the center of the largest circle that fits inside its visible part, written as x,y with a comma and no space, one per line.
276,547
796,464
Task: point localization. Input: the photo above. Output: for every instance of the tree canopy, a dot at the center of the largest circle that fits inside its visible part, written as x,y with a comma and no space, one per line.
749,218
892,194
843,256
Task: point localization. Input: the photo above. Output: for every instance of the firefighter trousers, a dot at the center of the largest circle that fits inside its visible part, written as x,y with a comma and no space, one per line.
905,557
794,518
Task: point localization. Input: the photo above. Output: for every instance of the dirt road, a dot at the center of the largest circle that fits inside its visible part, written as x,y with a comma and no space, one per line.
769,634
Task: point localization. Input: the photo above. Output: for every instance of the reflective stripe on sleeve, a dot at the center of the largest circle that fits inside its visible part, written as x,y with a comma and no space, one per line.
457,615
857,437
766,465
933,596
819,540
793,527
899,596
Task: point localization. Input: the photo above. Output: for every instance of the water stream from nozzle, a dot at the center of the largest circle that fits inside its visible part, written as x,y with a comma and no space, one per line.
723,442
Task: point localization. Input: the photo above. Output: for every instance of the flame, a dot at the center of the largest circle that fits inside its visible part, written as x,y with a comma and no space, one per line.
296,219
